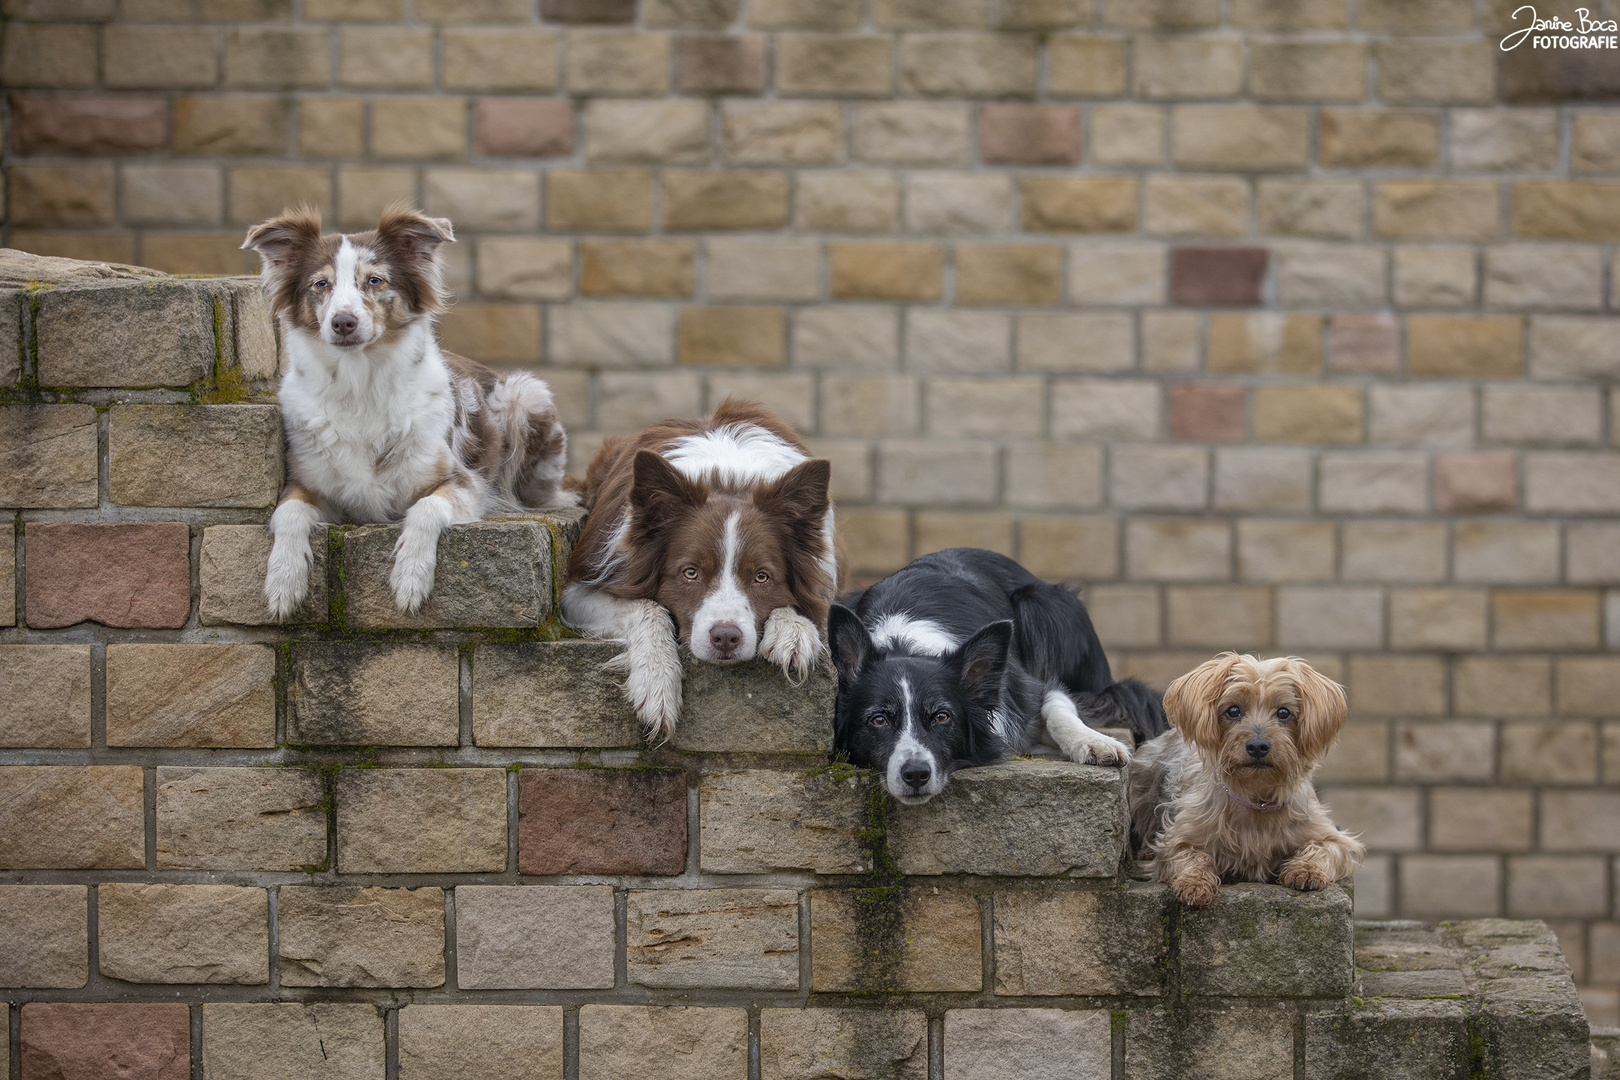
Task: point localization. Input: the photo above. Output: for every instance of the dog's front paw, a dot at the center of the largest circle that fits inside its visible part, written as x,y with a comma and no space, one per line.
412,577
1195,888
791,642
652,685
1304,875
1095,748
286,580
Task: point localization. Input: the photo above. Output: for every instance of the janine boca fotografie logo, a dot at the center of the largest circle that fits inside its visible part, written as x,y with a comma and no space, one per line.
1556,33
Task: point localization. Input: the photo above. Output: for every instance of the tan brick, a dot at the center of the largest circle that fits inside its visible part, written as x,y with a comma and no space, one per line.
241,124
1127,134
629,401
1504,140
1580,821
240,819
493,333
1045,477
1191,67
1170,341
652,132
985,1041
1565,210
807,14
49,56
1544,276
346,935
421,820
694,1043
1328,617
1572,347
636,268
712,14
1437,618
1069,548
61,194
1161,14
505,199
618,62
801,1044
288,58
1592,553
1021,275
363,694
1419,415
1434,276
958,203
64,477
1380,138
1502,686
918,472
1393,16
464,1042
505,59
790,396
1565,619
1084,66
845,65
1450,886
1117,273
1326,209
935,944
1215,616
724,200
118,246
1465,819
1103,409
1361,756
1158,477
183,933
1430,751
1330,275
1579,483
1172,550
611,335
928,15
259,192
1397,686
534,937
1386,818
606,200
243,1041
1542,415
1552,886
907,133
1076,342
1595,146
781,133
364,192
1125,615
886,271
1195,206
190,695
1264,344
960,65
419,127
523,268
847,202
854,337
1394,551
1319,414
1283,71
1549,753
732,938
851,461
1434,71
1464,346
762,269
44,936
48,687
877,541
1285,550
1436,210
1240,136
1079,204
732,336
391,57
194,455
72,816
151,56
985,408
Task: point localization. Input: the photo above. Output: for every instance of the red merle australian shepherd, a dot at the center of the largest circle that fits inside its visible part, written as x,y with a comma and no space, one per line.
716,534
383,425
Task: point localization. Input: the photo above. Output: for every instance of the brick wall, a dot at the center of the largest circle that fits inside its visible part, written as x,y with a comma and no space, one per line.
1281,326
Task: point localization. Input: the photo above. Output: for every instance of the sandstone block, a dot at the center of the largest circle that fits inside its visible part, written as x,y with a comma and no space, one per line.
85,125
152,1042
998,274
1079,204
1434,277
1325,209
856,337
72,817
1393,551
1388,1035
1572,482
191,695
1464,819
393,821
1080,342
1436,210
1075,66
1502,686
524,268
48,687
724,200
1029,134
633,132
1071,549
1565,210
153,334
501,199
363,694
942,341
1081,941
1158,477
346,935
1330,617
119,575
183,933
907,133
803,1044
1380,138
1308,414
846,65
231,570
503,59
171,195
1506,552
1101,409
1326,71
242,1041
238,124
691,1043
1431,71
782,133
1545,619
609,200
732,336
1417,415
489,573
1120,134
895,938
1223,276
936,471
1201,206
550,694
43,936
534,937
636,268
419,126
51,56
1331,275
61,195
809,14
886,271
1172,67
958,203
1267,940
964,64
1050,817
1264,343
1037,1043
601,821
1464,346
623,62
1123,273
723,938
730,707
468,1042
588,11
1254,1042
240,819
1240,136
1466,483
514,127
720,63
762,820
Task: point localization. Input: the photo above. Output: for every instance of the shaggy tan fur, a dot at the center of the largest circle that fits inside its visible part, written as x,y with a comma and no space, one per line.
1188,787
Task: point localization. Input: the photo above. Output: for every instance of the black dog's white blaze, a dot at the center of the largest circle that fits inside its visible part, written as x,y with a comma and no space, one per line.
915,704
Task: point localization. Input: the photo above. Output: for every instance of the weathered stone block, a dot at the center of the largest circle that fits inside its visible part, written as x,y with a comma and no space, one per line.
191,695
157,333
718,938
558,937
555,693
896,938
1264,940
862,1044
44,938
183,933
120,575
395,821
1041,1044
194,455
1040,818
248,1042
1387,1037
240,819
48,456
487,574
231,572
141,1042
71,817
470,1042
345,935
688,1043
364,695
753,707
601,821
760,820
1234,1043
1101,941
48,691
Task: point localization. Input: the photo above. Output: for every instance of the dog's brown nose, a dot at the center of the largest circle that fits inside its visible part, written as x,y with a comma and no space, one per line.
726,639
1258,748
345,324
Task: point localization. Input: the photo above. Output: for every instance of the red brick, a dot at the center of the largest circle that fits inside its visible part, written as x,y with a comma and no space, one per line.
117,575
1030,134
521,127
100,1042
1206,412
721,64
1366,344
87,125
1468,483
588,11
1229,276
601,821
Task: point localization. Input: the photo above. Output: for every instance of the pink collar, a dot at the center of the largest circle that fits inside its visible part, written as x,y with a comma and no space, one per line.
1275,804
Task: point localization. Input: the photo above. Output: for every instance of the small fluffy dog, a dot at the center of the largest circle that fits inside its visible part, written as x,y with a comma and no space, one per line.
964,657
1227,795
716,534
381,423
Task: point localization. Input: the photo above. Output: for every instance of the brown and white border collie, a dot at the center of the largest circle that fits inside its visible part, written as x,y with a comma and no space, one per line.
715,533
383,425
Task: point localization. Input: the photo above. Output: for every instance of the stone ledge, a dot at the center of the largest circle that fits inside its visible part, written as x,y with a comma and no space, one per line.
1268,941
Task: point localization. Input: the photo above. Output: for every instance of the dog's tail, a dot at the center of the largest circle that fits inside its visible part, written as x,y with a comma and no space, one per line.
1127,704
535,447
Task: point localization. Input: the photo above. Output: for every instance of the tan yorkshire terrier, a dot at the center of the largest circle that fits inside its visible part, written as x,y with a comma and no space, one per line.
1226,794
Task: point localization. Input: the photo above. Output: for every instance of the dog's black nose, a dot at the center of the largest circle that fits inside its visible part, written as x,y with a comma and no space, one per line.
345,324
1258,748
726,639
916,774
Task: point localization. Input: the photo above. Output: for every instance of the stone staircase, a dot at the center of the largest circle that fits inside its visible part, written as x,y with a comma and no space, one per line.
365,845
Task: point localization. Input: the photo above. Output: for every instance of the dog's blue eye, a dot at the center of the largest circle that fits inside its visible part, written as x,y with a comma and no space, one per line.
1234,713
321,284
374,280
879,719
1284,714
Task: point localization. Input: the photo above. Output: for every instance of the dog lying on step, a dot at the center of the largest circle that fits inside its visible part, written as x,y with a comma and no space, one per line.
383,425
963,658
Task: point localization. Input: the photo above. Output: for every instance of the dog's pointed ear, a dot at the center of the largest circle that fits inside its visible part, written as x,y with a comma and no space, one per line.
658,490
852,647
802,494
982,660
1190,701
1323,709
412,233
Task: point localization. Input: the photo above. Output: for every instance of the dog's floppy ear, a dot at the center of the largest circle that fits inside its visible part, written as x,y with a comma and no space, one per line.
276,240
1323,709
851,645
982,660
1189,703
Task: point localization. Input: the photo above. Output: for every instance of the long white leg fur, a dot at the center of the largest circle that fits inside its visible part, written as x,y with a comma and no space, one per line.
417,549
286,578
1069,733
651,659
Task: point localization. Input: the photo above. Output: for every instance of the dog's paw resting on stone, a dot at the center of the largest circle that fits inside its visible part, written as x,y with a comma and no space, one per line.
791,642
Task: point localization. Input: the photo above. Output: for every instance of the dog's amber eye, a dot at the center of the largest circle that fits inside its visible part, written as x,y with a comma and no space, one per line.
879,719
690,573
941,717
1233,713
1284,715
762,577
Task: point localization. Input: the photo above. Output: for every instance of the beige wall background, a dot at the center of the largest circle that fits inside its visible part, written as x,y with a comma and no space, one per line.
1281,326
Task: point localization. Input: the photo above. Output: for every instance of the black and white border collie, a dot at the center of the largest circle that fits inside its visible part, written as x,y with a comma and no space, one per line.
717,534
963,658
382,425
